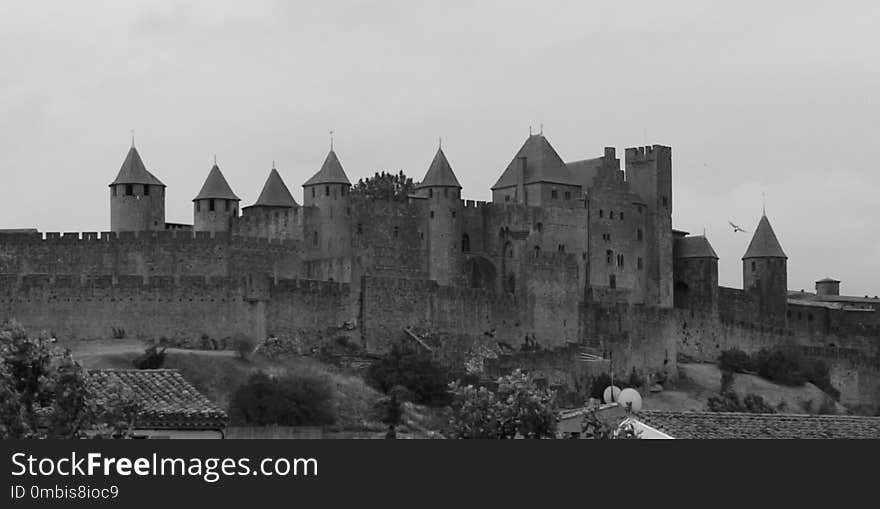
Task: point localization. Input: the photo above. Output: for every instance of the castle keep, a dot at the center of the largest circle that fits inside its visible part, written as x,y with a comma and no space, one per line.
568,256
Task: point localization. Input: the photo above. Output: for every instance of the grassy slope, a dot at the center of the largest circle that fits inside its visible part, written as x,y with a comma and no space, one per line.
217,376
700,381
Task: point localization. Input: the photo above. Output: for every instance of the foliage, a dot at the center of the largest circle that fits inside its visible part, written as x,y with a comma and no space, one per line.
44,393
417,372
152,358
600,383
390,409
726,380
729,401
516,408
385,186
736,361
118,332
243,345
791,368
596,428
291,400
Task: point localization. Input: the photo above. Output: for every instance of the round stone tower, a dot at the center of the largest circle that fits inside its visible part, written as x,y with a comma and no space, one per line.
695,273
445,242
137,197
328,233
765,274
216,205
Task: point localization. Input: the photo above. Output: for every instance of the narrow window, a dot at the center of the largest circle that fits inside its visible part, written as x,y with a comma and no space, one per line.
146,190
640,235
640,263
211,204
360,228
430,193
227,205
465,243
561,248
621,215
199,206
347,210
753,266
568,195
129,189
313,192
537,249
608,255
344,190
326,190
507,197
396,231
432,214
553,194
665,202
446,192
611,215
453,214
315,238
612,281
601,213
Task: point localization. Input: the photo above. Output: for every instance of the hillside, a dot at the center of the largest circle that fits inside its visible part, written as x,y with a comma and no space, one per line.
698,382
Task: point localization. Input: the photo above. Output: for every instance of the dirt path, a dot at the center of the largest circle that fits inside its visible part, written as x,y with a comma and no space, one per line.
124,346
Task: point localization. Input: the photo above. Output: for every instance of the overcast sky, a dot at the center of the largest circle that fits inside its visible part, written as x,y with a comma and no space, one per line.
754,97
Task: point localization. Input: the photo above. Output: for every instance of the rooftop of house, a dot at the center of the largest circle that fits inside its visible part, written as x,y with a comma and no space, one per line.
727,425
275,193
216,187
166,399
764,243
542,164
801,297
133,171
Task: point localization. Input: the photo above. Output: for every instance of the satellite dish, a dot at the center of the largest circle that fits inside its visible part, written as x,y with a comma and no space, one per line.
630,399
606,396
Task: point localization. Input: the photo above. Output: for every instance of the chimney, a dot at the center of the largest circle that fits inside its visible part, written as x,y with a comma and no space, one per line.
828,286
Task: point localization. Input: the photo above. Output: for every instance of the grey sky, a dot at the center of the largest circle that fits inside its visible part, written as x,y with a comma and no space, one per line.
753,97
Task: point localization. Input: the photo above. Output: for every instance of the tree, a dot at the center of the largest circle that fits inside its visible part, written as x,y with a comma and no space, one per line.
292,400
244,345
517,408
44,393
729,401
598,428
385,186
152,358
416,371
390,409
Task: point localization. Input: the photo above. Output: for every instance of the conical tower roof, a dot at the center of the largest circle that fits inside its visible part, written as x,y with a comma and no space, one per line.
697,246
764,242
440,173
216,187
133,171
331,172
275,193
543,164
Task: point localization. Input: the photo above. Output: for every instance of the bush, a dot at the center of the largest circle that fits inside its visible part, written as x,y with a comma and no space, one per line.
736,361
729,402
292,400
152,358
243,345
600,383
516,407
791,368
418,373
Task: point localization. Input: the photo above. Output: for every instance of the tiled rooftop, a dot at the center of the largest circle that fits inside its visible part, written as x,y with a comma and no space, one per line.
724,425
167,400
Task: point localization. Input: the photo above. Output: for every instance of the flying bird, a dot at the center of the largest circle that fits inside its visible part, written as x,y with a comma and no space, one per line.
736,228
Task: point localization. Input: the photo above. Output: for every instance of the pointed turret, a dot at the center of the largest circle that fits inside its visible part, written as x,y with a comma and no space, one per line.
331,172
695,273
440,173
764,242
137,197
765,274
275,193
216,187
215,205
133,171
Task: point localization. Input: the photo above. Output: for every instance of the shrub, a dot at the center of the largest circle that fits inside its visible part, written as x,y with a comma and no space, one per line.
736,361
600,383
152,358
418,373
118,332
729,401
292,400
726,380
791,368
516,407
243,345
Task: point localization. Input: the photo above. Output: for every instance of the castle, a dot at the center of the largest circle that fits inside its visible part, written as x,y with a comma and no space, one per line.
567,257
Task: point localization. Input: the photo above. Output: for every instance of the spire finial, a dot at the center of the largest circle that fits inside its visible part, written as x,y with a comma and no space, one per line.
440,142
215,159
331,140
273,164
763,204
542,129
530,130
132,138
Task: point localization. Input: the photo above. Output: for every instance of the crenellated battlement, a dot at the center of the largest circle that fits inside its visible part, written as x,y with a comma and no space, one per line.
646,153
162,237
